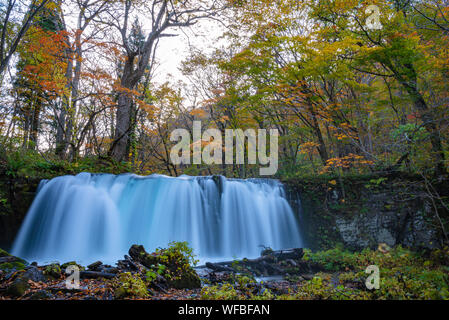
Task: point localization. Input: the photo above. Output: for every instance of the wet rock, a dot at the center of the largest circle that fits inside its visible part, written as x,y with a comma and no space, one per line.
296,254
266,252
53,270
18,287
111,270
307,276
96,266
181,278
188,280
138,253
218,277
3,253
291,262
10,263
41,295
127,264
72,263
34,274
219,267
120,293
96,275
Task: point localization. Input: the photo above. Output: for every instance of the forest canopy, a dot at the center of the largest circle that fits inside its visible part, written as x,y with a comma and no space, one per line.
78,85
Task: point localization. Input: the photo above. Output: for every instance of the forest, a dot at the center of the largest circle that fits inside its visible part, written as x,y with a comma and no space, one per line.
357,90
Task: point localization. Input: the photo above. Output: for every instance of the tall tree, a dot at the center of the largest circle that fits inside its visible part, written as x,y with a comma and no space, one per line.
163,15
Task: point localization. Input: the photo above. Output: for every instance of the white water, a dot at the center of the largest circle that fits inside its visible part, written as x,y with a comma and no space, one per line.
92,217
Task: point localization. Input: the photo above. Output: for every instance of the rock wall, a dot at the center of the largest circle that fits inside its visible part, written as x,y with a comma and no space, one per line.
16,196
364,212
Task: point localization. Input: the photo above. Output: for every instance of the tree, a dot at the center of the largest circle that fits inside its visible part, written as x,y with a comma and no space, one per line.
163,15
9,24
393,51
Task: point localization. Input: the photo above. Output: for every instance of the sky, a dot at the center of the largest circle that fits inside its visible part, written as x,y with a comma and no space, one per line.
173,50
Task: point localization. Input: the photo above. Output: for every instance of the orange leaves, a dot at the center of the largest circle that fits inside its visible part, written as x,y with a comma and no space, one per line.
45,63
199,113
346,162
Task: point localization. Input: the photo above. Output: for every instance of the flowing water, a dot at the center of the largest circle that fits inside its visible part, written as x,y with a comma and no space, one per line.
92,217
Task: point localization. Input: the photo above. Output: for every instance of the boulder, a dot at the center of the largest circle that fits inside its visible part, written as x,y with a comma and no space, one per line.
185,278
72,263
96,266
53,270
10,263
34,274
41,295
18,287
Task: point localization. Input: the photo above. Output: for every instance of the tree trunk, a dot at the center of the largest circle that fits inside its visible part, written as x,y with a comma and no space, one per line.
426,116
123,119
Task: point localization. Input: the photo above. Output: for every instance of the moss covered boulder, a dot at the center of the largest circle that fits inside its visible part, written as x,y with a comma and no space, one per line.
18,287
72,263
53,271
173,263
3,253
10,263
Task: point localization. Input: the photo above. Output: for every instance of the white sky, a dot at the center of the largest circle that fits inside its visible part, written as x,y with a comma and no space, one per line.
173,50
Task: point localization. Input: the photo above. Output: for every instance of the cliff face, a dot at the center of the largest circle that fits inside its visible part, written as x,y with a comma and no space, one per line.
363,213
16,196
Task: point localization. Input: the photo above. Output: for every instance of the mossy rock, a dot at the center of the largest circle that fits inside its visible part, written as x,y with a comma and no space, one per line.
138,253
179,278
3,253
120,293
41,295
18,288
72,263
188,280
12,266
53,270
10,263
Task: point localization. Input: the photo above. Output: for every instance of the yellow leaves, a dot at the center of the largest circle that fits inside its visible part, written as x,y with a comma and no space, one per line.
346,162
308,147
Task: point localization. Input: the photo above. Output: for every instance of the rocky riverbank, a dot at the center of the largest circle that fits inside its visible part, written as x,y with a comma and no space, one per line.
288,274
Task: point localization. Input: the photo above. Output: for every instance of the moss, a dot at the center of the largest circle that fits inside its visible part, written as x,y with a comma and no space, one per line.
53,270
129,285
3,253
18,288
177,261
72,263
188,280
12,266
223,292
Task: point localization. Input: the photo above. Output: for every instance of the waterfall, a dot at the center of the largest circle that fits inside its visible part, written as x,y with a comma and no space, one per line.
92,217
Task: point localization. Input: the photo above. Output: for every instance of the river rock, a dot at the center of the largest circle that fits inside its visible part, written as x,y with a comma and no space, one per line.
53,270
10,263
18,287
41,295
185,278
96,266
34,274
72,263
